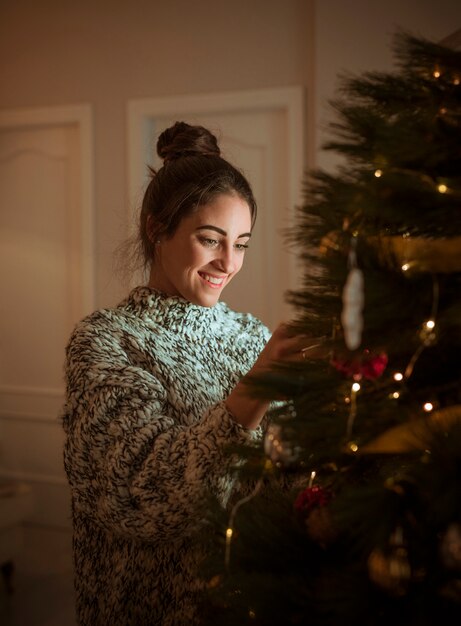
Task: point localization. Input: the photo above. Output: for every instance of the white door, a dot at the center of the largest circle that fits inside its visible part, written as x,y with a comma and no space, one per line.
46,288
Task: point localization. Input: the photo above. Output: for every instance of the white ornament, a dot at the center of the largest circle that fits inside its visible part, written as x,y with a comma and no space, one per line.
353,301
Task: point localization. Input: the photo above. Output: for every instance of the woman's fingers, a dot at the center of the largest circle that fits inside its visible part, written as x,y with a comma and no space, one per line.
317,349
285,347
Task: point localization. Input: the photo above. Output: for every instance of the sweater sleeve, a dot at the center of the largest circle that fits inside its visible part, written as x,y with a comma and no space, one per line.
132,468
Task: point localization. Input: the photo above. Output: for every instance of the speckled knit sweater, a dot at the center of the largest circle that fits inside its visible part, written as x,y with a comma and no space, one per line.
146,428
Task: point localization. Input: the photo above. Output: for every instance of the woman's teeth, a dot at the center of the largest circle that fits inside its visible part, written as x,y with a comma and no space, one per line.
212,279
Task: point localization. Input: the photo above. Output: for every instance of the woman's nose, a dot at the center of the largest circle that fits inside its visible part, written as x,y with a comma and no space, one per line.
226,261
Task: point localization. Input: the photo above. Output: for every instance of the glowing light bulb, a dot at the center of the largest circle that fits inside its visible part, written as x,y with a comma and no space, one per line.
398,376
428,406
378,173
442,188
436,74
395,395
355,387
353,447
229,533
405,267
430,324
456,81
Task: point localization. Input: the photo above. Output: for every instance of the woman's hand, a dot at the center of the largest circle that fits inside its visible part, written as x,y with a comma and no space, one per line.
282,346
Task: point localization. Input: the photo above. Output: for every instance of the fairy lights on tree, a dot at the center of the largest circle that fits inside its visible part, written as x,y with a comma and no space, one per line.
367,526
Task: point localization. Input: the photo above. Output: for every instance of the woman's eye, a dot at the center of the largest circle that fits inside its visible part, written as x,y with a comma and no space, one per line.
241,246
208,242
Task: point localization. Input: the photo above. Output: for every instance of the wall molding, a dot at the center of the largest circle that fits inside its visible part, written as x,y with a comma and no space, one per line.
30,477
31,404
49,392
21,416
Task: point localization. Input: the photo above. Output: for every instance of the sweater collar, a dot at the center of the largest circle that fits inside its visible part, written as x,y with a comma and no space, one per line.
171,312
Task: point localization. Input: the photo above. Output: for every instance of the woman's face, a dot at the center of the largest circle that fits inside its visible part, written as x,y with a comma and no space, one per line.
205,253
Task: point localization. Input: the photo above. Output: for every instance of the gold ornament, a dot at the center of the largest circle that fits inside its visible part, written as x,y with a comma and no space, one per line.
421,254
450,547
414,435
439,255
391,569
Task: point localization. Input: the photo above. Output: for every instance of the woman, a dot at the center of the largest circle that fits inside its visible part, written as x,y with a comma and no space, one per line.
155,394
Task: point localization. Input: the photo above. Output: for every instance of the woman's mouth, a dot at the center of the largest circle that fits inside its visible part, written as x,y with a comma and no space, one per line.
215,282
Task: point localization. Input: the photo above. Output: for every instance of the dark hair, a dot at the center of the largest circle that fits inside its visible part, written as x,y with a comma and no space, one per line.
193,174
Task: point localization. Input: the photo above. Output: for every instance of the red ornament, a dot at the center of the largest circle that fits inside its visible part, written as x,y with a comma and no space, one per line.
311,498
368,365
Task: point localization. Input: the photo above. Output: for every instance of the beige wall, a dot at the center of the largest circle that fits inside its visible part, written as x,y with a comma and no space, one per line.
56,52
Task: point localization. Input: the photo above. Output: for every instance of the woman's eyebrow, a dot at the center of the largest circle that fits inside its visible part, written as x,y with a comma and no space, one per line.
220,230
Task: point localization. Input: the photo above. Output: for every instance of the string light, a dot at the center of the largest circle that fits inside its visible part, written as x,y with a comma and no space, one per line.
442,188
456,81
229,530
405,267
353,447
251,614
353,408
398,376
378,173
436,74
395,395
311,479
426,335
428,406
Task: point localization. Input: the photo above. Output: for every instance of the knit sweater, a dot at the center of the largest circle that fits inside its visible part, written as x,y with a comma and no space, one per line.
146,436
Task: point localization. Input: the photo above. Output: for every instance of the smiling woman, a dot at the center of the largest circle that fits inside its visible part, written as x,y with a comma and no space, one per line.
156,393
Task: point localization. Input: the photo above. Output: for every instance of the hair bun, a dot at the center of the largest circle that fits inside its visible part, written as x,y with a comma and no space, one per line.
181,140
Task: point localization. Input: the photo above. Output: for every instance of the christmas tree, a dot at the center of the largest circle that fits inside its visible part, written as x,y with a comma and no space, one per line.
367,442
